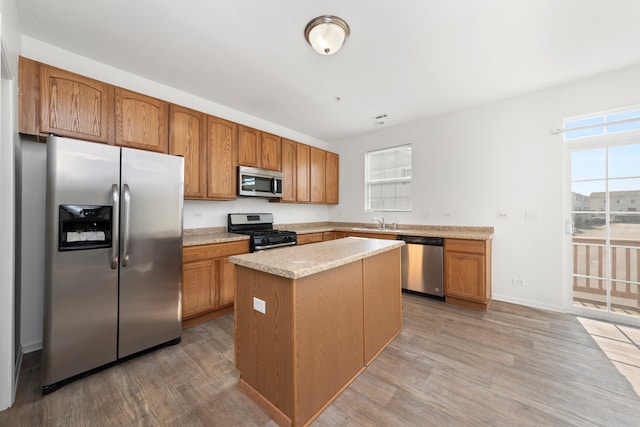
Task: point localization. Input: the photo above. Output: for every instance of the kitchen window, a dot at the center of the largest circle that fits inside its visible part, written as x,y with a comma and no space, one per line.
388,179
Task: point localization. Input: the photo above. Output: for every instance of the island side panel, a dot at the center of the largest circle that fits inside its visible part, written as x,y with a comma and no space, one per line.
382,302
329,341
264,342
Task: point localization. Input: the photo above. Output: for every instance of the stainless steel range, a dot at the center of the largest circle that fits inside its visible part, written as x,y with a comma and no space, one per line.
260,227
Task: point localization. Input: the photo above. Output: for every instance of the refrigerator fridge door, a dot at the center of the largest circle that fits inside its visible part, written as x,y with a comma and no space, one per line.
150,250
81,287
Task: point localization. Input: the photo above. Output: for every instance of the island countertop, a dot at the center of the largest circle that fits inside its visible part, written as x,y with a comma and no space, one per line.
294,262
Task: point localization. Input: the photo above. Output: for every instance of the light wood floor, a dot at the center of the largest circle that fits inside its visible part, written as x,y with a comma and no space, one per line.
449,367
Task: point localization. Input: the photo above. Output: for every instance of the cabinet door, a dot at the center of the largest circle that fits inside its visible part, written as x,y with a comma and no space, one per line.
187,130
249,146
288,170
271,151
302,173
28,96
198,287
75,106
318,175
221,170
331,188
227,283
141,121
464,276
304,239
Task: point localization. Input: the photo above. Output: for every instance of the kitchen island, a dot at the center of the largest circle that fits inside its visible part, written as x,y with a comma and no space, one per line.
309,319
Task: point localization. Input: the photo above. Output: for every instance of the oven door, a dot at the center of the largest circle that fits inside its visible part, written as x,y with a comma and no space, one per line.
259,182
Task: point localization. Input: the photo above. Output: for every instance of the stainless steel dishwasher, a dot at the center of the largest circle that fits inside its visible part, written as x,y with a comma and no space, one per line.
422,265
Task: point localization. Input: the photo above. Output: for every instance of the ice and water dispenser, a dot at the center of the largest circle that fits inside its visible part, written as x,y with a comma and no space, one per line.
84,227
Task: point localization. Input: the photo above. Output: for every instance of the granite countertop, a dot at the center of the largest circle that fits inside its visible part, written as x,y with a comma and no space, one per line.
294,262
205,236
451,232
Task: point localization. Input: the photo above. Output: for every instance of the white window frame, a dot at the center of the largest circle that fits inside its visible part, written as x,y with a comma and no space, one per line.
368,182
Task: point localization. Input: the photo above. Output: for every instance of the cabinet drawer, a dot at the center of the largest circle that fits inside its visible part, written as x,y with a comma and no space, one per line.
463,245
194,253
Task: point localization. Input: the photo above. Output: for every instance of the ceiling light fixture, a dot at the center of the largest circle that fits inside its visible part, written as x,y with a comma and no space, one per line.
326,34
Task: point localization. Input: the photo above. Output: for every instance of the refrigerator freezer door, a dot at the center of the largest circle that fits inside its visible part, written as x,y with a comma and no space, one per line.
81,288
150,250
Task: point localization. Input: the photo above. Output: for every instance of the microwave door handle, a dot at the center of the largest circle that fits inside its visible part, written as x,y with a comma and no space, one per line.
274,185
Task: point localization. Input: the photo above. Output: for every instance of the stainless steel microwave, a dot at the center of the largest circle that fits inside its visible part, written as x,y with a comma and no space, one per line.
259,182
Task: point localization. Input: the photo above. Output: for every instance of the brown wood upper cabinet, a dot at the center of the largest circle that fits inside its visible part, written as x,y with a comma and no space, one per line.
288,170
258,149
249,146
64,103
332,179
310,174
221,141
141,121
271,152
302,173
317,175
187,132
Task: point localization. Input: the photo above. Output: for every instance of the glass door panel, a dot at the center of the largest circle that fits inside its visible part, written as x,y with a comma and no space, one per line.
606,238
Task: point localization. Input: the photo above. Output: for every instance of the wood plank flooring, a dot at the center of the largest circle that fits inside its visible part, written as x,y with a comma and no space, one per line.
450,366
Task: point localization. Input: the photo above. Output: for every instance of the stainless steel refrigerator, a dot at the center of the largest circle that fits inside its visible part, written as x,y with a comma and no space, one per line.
113,256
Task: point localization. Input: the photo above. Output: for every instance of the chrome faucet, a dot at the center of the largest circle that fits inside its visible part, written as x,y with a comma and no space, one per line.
380,221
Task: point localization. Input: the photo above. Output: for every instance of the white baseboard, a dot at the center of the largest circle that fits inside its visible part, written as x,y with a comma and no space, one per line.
529,303
31,347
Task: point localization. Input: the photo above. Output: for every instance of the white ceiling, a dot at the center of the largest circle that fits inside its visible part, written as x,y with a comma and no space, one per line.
408,59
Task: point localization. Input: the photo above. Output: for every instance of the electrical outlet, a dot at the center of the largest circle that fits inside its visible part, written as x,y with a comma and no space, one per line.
531,215
503,215
446,214
517,282
197,214
259,305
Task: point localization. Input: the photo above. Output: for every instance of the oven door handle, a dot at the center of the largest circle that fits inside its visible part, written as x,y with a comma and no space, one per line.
263,247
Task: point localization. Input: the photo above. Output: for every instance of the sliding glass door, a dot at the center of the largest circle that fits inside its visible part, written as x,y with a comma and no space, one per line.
605,191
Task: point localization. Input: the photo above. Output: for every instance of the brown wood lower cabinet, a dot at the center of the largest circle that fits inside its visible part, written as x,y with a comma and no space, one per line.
208,281
467,271
316,335
304,239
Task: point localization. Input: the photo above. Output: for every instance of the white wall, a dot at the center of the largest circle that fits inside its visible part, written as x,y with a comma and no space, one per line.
499,157
8,150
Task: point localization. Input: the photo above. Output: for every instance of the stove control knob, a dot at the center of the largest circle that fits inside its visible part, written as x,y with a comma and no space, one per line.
263,240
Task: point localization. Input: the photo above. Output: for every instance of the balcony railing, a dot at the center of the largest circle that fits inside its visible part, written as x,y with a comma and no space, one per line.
589,278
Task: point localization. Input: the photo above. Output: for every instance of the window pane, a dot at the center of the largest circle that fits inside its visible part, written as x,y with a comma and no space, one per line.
588,164
623,126
624,195
388,179
588,195
584,132
624,161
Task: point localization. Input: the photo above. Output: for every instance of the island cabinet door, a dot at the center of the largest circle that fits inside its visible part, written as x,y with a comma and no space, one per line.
329,336
382,302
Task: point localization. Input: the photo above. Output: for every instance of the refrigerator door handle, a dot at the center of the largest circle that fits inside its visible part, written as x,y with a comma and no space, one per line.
125,229
115,226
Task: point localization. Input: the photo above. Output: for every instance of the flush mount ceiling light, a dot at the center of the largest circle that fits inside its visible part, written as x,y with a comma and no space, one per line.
326,34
